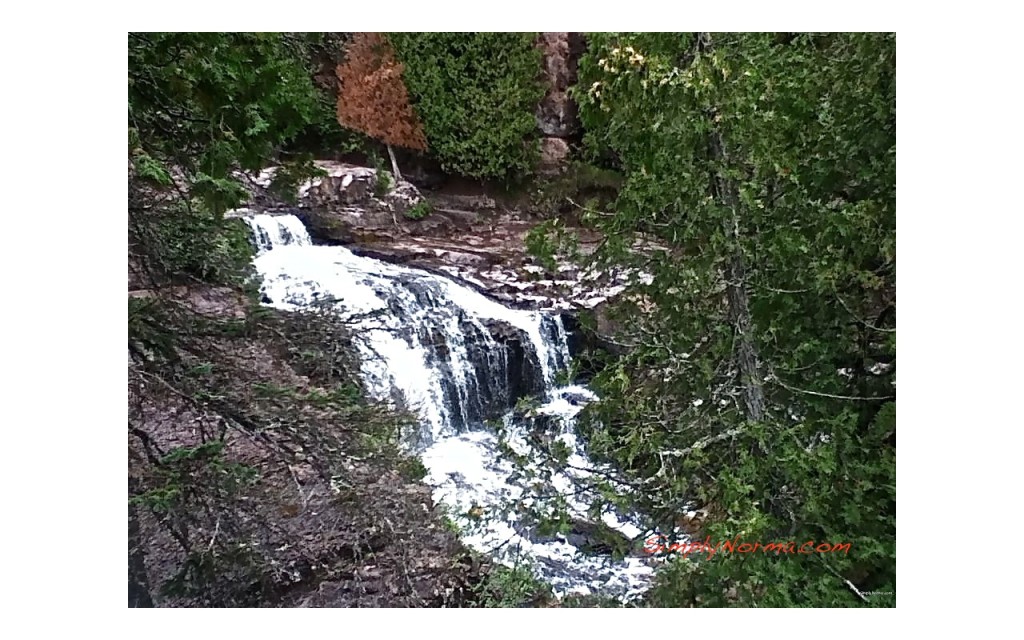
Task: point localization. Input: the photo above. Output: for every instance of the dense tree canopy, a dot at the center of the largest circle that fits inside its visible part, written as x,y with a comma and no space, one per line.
201,107
760,379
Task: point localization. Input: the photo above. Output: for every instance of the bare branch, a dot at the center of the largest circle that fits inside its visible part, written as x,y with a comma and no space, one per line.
848,583
701,444
830,395
856,318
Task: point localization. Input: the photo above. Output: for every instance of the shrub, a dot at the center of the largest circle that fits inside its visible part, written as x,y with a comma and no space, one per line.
372,98
476,94
517,586
419,211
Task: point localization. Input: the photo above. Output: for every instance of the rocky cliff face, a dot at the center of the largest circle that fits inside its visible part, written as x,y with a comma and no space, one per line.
467,238
556,114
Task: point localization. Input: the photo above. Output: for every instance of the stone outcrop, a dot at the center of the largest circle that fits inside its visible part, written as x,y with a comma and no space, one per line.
470,240
554,156
557,116
346,196
523,374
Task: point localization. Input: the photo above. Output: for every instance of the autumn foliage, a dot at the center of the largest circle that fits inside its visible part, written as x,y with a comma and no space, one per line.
372,98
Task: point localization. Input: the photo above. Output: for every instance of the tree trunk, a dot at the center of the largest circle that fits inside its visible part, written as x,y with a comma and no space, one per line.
394,165
748,360
751,383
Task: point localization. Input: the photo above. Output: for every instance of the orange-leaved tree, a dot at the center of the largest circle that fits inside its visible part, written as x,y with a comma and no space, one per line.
372,97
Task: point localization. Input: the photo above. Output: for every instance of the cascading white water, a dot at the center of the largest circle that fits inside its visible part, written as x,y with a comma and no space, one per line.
278,231
456,358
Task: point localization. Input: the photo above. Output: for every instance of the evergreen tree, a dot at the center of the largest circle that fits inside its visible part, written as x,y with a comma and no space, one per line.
760,379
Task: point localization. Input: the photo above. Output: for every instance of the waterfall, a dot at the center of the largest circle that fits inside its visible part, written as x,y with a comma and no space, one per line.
457,359
277,231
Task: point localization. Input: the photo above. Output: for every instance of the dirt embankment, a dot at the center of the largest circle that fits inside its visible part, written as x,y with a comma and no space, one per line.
258,475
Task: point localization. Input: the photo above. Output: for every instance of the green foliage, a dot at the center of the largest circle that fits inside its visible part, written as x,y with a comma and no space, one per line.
151,170
147,334
203,567
208,103
187,472
200,244
385,181
552,238
583,186
476,94
452,526
448,521
516,586
418,211
201,107
412,469
759,168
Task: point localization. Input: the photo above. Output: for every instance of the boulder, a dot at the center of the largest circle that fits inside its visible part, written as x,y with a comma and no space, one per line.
591,538
554,156
403,197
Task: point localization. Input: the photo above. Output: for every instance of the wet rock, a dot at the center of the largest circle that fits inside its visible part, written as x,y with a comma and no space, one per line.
591,538
596,538
577,399
523,373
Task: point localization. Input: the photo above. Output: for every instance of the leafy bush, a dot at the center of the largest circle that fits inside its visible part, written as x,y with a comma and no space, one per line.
412,469
384,178
512,587
418,211
209,103
476,94
203,245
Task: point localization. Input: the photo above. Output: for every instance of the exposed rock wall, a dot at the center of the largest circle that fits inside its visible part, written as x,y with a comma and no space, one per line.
557,116
479,246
